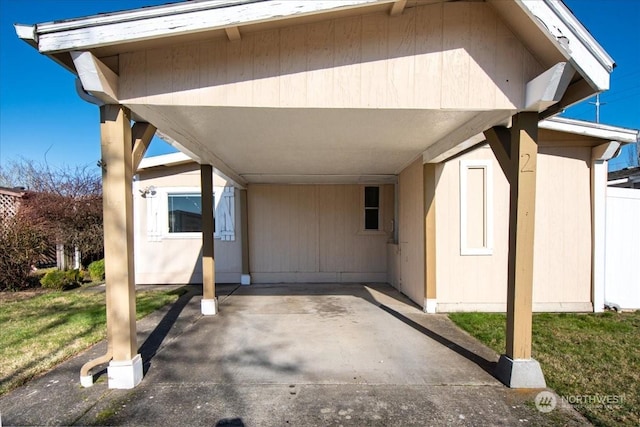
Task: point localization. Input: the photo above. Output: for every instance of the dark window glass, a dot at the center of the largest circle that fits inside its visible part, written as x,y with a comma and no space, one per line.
371,208
371,219
185,213
371,197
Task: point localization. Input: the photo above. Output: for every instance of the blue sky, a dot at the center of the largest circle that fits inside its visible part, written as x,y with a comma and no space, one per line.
42,117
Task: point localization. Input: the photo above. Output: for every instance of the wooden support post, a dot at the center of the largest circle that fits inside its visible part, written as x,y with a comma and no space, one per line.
429,179
524,152
517,156
245,278
209,301
125,370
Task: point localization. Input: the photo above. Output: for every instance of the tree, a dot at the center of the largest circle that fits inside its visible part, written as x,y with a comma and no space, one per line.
66,202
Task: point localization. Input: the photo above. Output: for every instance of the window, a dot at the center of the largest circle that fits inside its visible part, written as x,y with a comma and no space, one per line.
476,207
371,208
176,212
184,213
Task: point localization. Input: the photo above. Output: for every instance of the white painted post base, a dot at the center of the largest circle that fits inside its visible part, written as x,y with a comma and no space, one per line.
86,380
520,373
209,307
125,374
430,305
245,279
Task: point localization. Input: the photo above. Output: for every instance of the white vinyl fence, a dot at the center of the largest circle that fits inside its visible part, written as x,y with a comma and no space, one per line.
622,259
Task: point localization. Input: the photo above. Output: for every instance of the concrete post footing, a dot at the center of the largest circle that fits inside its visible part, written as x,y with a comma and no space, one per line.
209,307
245,279
125,374
520,373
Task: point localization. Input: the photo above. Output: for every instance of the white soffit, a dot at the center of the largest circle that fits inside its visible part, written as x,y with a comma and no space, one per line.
585,54
594,130
172,20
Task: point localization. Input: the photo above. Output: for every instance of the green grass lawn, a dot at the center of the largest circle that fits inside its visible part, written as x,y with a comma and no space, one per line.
582,356
39,332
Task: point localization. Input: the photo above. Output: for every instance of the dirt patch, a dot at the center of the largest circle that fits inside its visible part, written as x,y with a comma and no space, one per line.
6,296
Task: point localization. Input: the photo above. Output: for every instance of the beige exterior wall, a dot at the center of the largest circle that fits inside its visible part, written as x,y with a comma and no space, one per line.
411,232
315,233
162,258
452,55
562,257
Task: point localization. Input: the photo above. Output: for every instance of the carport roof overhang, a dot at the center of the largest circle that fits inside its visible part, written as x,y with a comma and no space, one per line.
277,144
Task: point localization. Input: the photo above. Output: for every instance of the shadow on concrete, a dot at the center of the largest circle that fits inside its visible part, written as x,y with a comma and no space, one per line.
230,422
487,365
153,342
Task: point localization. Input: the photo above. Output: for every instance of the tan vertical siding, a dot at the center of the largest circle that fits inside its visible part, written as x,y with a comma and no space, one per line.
562,269
562,258
313,233
411,231
457,55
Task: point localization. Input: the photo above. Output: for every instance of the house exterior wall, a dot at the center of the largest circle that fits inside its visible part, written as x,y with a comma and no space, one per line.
476,280
314,233
444,55
562,244
166,259
622,275
410,232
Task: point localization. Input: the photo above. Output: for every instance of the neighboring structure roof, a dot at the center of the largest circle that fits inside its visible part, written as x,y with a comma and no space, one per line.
172,159
627,178
594,130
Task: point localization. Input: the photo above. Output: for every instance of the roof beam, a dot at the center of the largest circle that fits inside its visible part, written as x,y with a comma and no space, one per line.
463,135
233,33
141,135
398,7
499,139
548,88
96,77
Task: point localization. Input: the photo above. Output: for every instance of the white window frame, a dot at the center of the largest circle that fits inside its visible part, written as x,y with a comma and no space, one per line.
163,214
380,229
487,165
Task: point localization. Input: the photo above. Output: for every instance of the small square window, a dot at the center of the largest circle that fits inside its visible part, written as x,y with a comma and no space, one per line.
185,213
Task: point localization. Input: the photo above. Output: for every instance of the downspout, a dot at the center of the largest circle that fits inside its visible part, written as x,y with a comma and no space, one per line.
86,377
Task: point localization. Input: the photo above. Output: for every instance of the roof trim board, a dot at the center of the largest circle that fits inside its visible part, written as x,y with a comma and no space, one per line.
571,38
172,20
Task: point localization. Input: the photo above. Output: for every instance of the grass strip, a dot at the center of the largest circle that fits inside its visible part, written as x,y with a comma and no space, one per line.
587,358
40,332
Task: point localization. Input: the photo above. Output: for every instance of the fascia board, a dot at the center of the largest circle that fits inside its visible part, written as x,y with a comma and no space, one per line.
580,49
165,21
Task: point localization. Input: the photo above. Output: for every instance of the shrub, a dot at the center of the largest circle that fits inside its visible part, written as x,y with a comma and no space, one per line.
96,270
61,280
21,244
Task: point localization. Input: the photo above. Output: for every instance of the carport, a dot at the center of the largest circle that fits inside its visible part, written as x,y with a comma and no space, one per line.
318,92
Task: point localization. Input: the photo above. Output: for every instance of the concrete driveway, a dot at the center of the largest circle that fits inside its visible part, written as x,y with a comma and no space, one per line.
291,355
